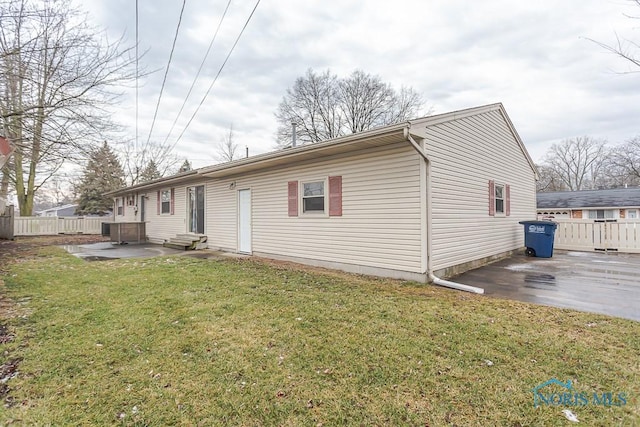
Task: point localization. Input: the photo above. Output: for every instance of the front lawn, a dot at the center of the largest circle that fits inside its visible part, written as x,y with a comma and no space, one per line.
186,341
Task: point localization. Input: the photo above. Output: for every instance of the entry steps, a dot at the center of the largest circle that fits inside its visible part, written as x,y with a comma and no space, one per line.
186,242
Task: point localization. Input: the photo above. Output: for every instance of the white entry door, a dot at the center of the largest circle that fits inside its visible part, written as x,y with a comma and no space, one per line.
244,221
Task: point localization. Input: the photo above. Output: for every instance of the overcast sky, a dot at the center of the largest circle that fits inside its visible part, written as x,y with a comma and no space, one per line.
533,56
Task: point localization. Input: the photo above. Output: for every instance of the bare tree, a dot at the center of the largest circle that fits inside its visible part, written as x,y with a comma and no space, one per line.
624,48
136,160
227,149
312,104
625,161
366,101
57,75
549,180
578,162
322,106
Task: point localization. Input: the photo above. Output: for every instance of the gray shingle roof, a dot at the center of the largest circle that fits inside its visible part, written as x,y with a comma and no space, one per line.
619,197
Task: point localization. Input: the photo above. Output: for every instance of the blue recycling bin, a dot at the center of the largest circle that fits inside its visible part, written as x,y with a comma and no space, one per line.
538,238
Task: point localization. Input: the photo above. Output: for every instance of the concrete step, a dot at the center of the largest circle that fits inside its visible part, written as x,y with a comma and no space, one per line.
182,241
187,241
193,237
177,246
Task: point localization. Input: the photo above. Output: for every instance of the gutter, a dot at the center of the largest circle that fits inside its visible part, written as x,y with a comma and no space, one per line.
435,279
152,183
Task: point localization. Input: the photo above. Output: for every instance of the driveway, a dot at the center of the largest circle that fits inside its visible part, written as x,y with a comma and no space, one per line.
607,283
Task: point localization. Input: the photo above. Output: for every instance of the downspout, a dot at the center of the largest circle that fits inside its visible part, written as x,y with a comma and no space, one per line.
436,280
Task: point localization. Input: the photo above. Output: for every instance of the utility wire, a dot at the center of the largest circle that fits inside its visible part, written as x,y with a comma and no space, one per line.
166,71
135,145
198,73
217,75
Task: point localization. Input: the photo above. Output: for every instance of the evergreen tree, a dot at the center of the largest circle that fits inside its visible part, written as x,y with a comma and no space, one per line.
150,172
102,173
186,166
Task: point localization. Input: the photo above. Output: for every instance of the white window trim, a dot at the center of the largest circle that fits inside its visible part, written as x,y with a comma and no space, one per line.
325,183
120,206
162,203
614,212
495,200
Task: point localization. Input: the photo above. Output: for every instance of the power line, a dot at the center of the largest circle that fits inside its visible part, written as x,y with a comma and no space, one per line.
137,85
198,73
217,75
166,71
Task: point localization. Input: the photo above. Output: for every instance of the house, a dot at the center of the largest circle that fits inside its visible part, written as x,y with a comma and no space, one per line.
432,196
618,203
62,210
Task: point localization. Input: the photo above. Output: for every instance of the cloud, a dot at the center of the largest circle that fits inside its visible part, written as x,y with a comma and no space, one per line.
535,57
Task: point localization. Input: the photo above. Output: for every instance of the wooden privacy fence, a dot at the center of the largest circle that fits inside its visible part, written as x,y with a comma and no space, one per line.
621,235
42,226
6,222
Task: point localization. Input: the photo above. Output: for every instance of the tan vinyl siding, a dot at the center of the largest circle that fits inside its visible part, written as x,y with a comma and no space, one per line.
465,154
380,222
222,214
164,226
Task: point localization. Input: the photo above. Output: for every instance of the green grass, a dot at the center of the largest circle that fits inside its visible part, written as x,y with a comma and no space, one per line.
184,341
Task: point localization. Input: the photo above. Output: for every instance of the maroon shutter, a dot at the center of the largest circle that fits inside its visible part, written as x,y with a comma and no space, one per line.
507,199
173,199
159,203
492,198
335,196
124,204
293,198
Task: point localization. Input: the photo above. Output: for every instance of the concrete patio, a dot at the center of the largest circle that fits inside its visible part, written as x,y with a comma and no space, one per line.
107,250
607,283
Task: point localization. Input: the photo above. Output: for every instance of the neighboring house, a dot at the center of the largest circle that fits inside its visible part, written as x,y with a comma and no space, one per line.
63,210
618,203
440,194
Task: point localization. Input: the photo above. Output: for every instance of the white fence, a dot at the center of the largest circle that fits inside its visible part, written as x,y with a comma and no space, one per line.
622,235
41,226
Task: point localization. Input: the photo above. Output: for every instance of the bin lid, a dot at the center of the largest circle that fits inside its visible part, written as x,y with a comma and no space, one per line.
534,222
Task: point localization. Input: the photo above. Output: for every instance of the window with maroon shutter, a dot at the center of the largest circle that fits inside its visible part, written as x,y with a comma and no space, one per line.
293,198
492,198
507,199
335,196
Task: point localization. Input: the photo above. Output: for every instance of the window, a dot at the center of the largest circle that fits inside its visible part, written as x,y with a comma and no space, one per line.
632,214
120,206
313,196
499,192
131,200
317,197
499,199
165,206
601,214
